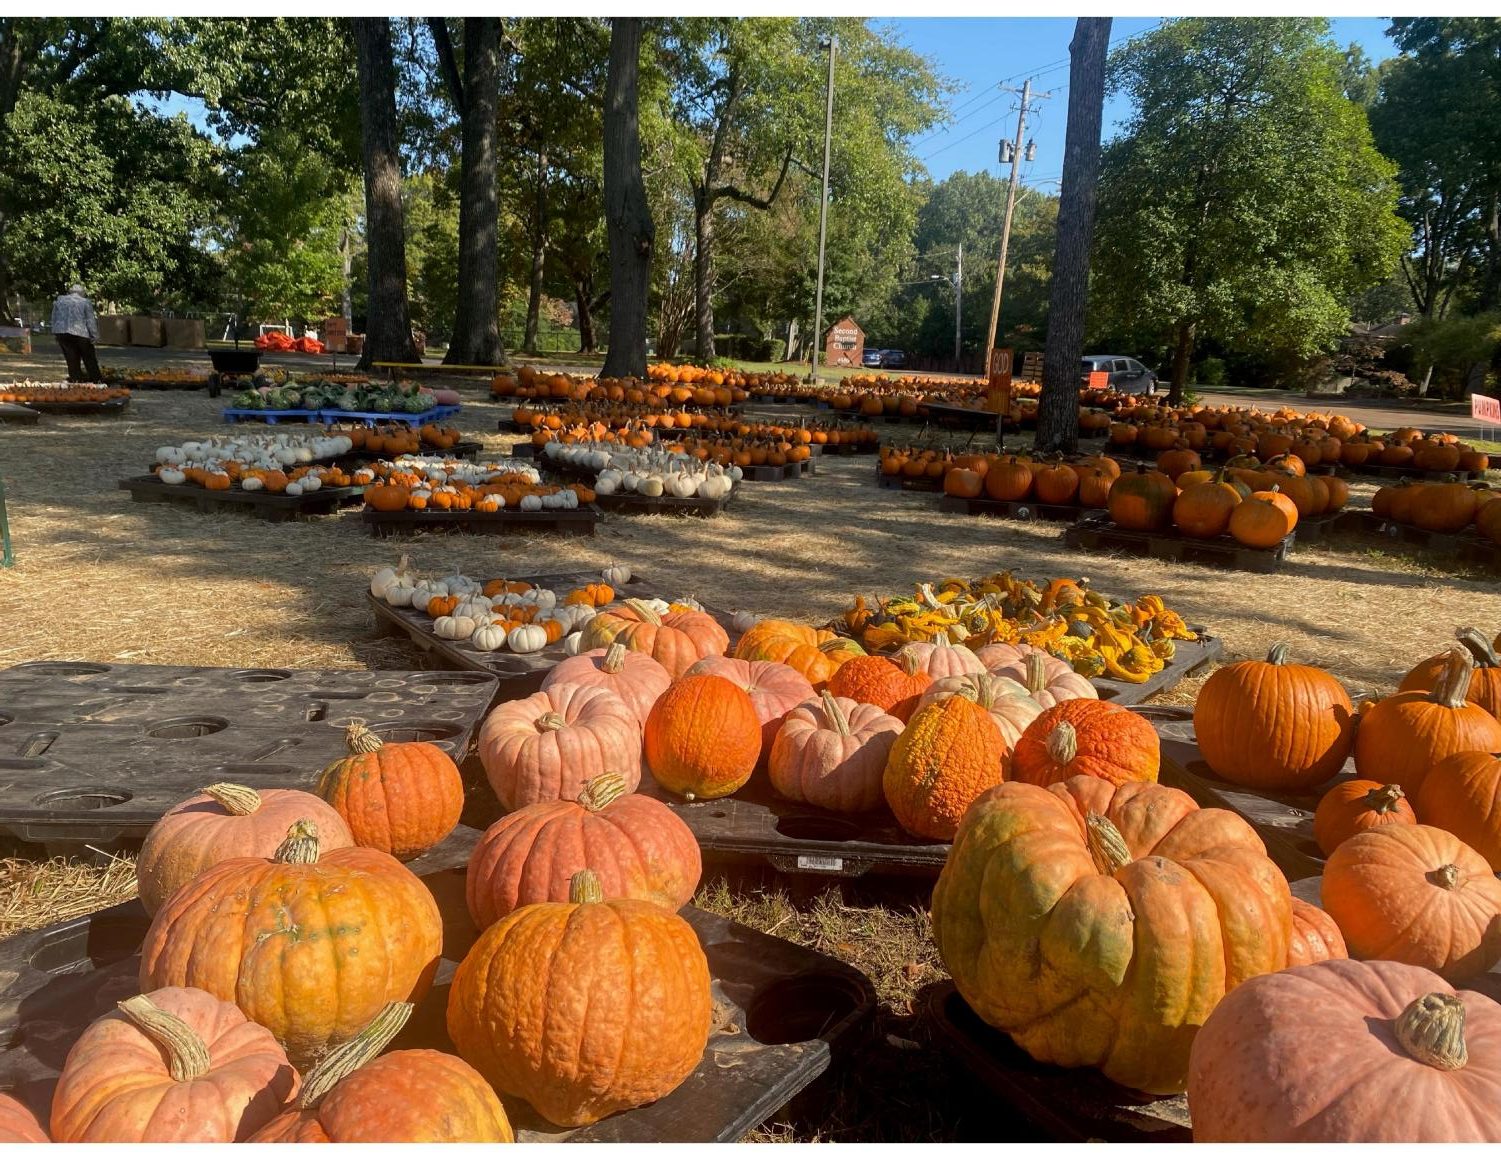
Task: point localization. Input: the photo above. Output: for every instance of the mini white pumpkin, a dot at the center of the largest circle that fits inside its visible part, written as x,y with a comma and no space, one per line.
531,503
743,622
399,573
542,598
311,482
250,483
489,637
477,609
616,575
715,487
572,643
527,638
172,475
455,627
398,594
650,486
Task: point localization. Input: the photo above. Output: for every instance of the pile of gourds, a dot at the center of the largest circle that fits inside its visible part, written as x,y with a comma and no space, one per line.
652,472
317,394
1448,507
280,464
427,483
27,391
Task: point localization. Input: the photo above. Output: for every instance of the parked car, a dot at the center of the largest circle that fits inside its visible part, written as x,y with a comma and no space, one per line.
871,357
893,358
1127,376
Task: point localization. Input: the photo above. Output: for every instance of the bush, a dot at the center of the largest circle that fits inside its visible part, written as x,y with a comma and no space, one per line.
1211,373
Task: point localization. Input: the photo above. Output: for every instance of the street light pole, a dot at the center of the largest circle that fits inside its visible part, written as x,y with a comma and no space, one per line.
958,305
823,210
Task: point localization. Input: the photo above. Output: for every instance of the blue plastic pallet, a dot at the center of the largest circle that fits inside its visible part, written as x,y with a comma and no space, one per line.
369,418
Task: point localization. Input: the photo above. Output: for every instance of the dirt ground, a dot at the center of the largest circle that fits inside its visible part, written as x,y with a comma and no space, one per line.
100,578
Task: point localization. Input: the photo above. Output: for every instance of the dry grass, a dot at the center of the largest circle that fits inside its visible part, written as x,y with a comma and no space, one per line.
36,894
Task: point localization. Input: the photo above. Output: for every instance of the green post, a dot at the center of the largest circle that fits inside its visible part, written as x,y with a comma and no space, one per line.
7,557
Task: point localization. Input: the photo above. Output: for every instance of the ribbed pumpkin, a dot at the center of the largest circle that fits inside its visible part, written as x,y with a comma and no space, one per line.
775,690
634,677
226,821
675,639
1348,1053
950,753
1415,894
583,1008
832,753
892,685
1404,736
1007,702
174,1066
1351,807
402,797
1263,519
1315,936
405,1097
814,652
1008,479
1142,501
543,748
1203,510
1485,681
1462,794
1090,739
1274,725
1046,679
636,845
944,660
18,1124
703,738
1050,895
309,946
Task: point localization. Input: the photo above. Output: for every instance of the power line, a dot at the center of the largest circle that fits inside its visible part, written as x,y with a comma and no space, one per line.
966,137
959,121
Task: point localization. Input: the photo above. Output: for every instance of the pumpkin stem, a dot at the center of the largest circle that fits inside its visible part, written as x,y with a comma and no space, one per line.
300,847
359,739
1384,799
344,1060
643,610
600,791
1036,674
614,658
550,721
239,800
1480,648
909,662
584,887
1106,846
1453,684
186,1053
1432,1031
1063,743
1278,654
1446,876
835,714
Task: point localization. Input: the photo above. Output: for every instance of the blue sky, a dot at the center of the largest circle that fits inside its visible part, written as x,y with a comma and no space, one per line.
979,53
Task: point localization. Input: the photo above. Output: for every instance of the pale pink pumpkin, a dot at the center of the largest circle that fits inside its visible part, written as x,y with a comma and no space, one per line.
944,660
1007,702
636,678
832,753
544,747
18,1124
1046,679
775,690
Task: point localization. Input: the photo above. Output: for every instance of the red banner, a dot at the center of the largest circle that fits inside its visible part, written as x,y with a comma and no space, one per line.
1486,409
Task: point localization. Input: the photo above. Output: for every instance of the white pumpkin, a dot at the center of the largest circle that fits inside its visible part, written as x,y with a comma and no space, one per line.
531,503
172,475
688,602
743,622
311,482
400,573
572,643
477,609
570,499
542,597
650,486
251,483
682,485
398,594
489,637
715,487
604,485
455,627
527,638
616,575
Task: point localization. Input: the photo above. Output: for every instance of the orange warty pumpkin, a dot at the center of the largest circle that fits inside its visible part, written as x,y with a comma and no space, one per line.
1315,936
1485,682
583,1008
951,752
775,690
1462,794
1088,738
1351,807
702,738
893,686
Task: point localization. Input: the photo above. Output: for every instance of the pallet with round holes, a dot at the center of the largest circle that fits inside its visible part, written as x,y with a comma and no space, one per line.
98,752
784,1015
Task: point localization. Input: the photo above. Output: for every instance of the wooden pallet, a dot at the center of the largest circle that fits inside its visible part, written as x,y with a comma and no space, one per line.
664,505
262,504
1025,510
1382,472
1097,533
578,522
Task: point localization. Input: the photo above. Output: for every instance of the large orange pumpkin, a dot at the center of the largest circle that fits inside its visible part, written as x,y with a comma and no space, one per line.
1142,501
951,752
1099,925
703,738
308,945
1351,807
814,652
226,821
402,797
1203,510
1346,1052
1274,725
1462,794
583,1008
1088,738
173,1066
1315,936
1263,519
1415,894
1485,682
775,690
892,685
675,638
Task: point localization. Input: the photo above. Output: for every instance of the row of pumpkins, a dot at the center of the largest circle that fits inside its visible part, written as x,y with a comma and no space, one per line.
278,449
530,384
650,472
1445,506
570,423
432,484
394,439
27,391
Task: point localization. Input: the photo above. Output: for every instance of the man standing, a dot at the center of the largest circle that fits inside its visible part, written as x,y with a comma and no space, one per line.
76,328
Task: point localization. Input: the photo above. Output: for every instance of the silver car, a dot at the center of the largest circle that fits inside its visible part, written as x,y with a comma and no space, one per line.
1127,375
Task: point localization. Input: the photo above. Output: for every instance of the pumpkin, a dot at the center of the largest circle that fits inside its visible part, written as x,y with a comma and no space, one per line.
1274,725
1007,702
544,747
309,945
1090,739
634,677
1485,681
1354,806
675,639
950,753
1263,519
1008,479
387,497
1057,483
703,739
944,660
1203,510
638,847
1049,895
1315,936
775,690
173,1066
405,1097
1462,794
1415,894
18,1125
832,753
1142,501
583,1008
814,652
892,685
402,797
1347,1052
1404,736
1046,679
226,821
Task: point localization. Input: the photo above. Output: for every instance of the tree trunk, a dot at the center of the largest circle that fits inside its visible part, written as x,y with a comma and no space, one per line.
1058,407
583,300
1183,352
539,257
703,275
476,328
628,221
346,265
389,327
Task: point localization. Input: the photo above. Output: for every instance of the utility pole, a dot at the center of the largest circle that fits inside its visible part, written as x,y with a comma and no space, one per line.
958,304
1000,270
823,210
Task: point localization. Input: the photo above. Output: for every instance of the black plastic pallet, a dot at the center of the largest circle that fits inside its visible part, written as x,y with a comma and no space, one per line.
98,752
664,505
908,483
263,504
111,409
1468,545
1097,533
1380,471
1024,510
1066,1105
1321,528
160,384
17,413
769,474
784,1015
578,522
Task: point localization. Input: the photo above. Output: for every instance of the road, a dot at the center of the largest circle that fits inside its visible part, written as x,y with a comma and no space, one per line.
1378,414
